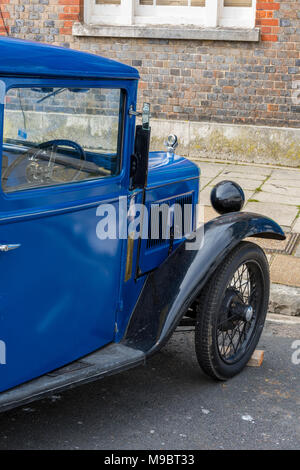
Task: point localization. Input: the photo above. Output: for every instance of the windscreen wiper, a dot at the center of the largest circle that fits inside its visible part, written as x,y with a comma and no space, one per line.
54,93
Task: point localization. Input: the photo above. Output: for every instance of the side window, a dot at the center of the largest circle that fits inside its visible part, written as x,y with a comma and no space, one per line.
60,135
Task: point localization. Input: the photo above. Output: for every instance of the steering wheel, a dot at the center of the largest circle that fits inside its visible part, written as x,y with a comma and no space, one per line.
62,142
39,152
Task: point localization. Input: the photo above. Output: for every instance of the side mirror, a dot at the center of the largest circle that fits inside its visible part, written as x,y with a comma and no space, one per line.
139,160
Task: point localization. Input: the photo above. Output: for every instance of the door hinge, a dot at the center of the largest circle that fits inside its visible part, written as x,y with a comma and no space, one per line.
132,112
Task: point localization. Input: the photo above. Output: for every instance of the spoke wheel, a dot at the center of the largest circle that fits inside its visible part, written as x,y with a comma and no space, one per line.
231,312
238,313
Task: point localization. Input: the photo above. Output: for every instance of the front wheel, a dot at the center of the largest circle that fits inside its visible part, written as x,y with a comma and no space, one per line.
231,312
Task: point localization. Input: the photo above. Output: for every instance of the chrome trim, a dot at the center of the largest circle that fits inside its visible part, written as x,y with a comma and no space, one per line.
10,247
129,258
171,143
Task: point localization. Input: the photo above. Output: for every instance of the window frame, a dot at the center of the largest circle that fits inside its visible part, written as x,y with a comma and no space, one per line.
158,14
129,13
109,14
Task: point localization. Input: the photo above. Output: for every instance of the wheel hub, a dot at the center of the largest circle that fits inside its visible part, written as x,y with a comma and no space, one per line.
234,310
249,313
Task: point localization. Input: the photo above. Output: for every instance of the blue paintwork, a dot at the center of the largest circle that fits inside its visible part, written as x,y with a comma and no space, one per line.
150,258
131,289
166,168
58,301
20,57
170,177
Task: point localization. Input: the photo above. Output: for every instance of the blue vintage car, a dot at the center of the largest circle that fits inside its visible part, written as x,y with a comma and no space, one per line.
100,254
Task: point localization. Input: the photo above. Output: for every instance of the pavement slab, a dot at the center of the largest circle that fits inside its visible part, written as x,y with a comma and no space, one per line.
296,227
246,170
283,189
237,174
209,169
283,214
285,270
204,182
283,173
245,183
290,199
291,183
205,196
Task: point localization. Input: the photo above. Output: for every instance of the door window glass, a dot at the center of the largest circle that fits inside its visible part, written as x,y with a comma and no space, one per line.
60,135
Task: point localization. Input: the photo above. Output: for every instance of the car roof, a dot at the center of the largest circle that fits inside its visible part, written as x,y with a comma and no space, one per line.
20,57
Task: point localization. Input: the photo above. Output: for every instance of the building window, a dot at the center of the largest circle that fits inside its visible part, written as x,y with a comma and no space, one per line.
170,12
238,14
202,13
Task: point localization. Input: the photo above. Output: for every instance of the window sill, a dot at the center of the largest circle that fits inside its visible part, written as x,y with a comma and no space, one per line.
167,32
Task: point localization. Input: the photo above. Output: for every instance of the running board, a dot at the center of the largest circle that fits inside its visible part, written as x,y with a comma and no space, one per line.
106,361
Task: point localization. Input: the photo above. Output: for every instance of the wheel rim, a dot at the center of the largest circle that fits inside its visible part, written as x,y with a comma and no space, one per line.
240,311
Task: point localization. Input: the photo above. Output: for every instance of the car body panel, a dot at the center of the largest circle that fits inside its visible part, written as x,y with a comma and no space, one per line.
167,168
111,359
183,193
172,179
26,58
58,292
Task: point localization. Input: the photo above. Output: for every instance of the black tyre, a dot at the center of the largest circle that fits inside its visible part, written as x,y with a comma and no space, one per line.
231,312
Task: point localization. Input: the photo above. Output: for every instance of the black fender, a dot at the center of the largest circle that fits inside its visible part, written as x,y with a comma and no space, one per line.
171,288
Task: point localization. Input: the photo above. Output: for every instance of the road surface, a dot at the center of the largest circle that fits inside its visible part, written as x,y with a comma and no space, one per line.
170,404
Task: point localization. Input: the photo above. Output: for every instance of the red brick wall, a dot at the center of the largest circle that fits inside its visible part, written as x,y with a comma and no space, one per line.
265,19
72,11
4,16
230,82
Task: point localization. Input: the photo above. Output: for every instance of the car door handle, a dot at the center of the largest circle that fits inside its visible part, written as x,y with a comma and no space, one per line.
9,247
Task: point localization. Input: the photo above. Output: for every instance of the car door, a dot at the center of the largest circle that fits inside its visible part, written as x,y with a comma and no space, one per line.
59,282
